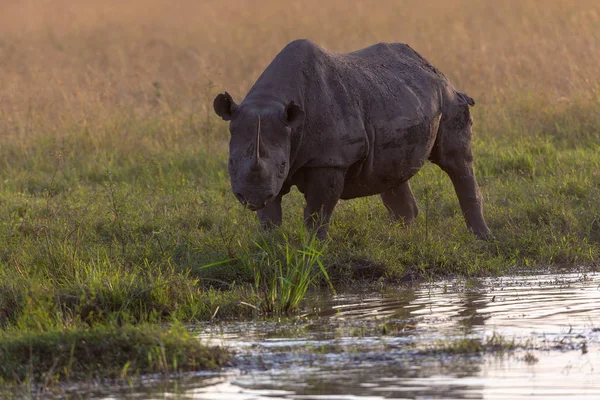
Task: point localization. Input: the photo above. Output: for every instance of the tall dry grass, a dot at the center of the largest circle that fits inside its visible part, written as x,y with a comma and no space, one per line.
85,61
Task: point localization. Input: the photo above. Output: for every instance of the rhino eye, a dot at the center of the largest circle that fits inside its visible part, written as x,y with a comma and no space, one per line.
282,168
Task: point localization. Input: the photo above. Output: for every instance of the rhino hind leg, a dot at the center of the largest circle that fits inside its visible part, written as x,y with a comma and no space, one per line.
469,197
401,204
452,152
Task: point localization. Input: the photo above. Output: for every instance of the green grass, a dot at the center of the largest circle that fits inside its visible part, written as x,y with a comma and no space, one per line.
106,352
123,228
284,271
98,227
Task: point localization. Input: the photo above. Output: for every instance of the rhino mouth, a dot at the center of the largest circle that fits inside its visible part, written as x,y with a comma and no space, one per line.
251,205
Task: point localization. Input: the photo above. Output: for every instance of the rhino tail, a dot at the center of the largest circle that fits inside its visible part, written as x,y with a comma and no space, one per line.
465,99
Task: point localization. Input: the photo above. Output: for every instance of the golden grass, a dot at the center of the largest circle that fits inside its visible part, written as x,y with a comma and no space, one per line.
84,61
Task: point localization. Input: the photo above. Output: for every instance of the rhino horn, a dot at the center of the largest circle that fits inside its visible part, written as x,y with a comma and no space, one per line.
256,158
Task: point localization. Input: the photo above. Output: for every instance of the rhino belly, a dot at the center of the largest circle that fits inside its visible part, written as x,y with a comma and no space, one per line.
397,154
385,175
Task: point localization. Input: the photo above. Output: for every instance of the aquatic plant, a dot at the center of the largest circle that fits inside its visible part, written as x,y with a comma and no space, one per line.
496,344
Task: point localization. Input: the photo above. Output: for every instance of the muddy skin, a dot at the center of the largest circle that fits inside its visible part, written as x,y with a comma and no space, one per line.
342,126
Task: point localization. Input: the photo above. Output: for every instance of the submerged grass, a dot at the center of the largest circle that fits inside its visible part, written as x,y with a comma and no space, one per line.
496,344
115,204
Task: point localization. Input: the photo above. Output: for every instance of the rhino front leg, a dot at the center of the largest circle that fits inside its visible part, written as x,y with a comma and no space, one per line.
401,204
270,216
323,188
452,152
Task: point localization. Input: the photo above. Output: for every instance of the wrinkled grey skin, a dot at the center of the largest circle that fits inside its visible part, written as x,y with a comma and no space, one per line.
341,126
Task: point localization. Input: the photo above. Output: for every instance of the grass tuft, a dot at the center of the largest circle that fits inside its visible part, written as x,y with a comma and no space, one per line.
283,271
102,352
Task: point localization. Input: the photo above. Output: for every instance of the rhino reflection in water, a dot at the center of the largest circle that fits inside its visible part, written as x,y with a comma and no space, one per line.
341,126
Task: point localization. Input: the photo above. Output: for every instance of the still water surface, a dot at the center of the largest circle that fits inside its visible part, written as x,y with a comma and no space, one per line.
373,346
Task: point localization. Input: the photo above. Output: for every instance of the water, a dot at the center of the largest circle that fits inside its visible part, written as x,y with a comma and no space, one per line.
378,346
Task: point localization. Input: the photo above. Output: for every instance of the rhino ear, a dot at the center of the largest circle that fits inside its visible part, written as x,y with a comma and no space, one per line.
293,115
224,106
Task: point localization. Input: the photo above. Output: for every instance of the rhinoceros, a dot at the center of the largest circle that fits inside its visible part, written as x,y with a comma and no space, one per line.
348,125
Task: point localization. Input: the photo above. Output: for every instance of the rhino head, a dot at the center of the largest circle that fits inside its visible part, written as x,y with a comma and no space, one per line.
260,145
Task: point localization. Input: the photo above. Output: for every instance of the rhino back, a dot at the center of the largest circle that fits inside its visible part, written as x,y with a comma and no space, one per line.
373,111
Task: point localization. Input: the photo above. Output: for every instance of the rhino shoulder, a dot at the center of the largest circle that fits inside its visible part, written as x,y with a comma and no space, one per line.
302,47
